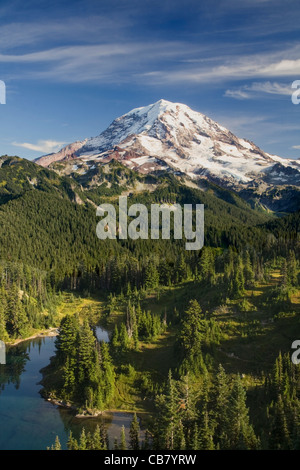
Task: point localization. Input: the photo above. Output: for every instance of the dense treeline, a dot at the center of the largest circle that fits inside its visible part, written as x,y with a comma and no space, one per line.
282,387
230,272
98,439
212,416
47,222
138,325
198,408
27,300
88,376
48,242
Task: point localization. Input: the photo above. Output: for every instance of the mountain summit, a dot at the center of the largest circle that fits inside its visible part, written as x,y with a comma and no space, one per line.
171,136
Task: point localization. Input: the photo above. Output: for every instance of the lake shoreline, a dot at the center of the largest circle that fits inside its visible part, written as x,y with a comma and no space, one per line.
41,334
103,413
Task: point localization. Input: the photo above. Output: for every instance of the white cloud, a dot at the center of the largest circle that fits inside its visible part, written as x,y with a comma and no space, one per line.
98,62
248,91
121,59
45,146
297,147
272,88
238,94
284,63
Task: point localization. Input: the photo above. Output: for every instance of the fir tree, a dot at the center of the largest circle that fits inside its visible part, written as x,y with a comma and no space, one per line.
57,445
134,433
279,435
123,445
190,339
83,441
221,408
241,434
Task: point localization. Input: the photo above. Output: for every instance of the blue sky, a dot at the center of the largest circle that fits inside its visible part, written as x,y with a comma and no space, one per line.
71,67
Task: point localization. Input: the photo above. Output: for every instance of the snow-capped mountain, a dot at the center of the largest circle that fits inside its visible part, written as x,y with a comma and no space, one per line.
172,136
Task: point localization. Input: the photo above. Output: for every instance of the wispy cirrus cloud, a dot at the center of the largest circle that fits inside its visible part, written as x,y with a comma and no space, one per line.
252,90
152,62
241,93
240,68
234,67
46,146
78,30
125,53
111,62
109,45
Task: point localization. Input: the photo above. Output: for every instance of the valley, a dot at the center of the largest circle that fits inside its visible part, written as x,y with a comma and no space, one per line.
188,340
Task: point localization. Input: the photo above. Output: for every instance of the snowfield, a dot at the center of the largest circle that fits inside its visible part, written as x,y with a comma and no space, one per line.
185,140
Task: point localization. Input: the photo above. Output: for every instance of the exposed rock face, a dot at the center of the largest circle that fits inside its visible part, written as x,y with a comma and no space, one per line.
66,153
171,136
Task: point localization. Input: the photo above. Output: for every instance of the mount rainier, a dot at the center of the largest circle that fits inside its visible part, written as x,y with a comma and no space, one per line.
173,137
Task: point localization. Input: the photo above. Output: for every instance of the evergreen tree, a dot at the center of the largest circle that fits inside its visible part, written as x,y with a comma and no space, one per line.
241,434
57,445
151,276
123,445
292,271
190,339
168,424
279,435
86,355
206,431
69,378
189,413
68,332
248,271
72,443
221,408
134,433
3,332
83,442
123,338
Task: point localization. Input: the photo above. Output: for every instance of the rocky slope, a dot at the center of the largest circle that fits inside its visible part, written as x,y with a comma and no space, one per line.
172,136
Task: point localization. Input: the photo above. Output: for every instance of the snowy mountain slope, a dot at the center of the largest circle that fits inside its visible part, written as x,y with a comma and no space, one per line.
172,136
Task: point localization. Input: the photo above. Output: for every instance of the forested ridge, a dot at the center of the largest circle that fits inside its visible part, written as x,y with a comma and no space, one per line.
199,340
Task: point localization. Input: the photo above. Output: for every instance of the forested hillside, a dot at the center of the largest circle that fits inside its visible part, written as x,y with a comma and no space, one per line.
199,340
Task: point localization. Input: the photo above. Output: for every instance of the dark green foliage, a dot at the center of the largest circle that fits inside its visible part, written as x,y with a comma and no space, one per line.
48,242
88,372
26,300
282,392
96,440
123,445
42,225
134,442
240,432
68,334
217,418
197,333
190,339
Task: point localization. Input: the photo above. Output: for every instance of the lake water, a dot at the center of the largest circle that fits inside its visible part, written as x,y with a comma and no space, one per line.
29,422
